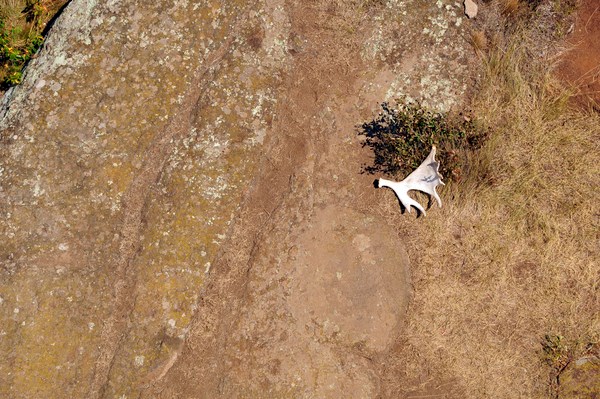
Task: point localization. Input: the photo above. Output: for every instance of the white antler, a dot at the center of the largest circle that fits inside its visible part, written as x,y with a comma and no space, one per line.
425,178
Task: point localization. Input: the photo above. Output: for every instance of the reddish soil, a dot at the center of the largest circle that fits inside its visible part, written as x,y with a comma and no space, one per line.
581,65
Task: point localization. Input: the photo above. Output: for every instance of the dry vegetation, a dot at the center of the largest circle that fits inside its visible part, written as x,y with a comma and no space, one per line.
478,40
513,258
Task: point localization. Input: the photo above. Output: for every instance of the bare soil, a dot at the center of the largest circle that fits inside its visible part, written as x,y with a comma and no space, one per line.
580,67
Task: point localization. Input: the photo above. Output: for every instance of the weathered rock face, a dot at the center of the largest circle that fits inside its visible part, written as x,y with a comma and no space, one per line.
125,155
175,177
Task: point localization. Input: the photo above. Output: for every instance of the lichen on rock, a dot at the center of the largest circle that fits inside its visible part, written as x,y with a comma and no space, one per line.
110,80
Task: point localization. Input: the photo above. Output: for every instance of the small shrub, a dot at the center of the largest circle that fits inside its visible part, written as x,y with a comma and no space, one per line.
16,48
401,138
14,76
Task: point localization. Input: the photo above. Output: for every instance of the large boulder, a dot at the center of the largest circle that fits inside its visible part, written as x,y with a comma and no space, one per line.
124,156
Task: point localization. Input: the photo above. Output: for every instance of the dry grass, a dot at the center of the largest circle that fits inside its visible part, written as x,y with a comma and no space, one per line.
514,254
479,40
510,7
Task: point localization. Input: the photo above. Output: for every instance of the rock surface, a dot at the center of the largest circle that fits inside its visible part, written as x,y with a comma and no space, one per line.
183,212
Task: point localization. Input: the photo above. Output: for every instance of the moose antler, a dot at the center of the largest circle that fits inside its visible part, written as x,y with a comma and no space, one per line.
425,178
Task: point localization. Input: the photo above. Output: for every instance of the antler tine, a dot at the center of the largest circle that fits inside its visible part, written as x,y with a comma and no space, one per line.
425,179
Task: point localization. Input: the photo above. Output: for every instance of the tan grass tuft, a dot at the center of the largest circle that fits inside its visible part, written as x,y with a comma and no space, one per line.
479,40
510,7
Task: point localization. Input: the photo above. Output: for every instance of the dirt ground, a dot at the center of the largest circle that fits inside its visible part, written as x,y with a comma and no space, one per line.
580,67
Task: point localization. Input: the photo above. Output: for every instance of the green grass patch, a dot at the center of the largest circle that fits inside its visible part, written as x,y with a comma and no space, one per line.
402,135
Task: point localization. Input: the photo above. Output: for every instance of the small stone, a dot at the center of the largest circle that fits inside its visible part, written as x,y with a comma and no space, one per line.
580,362
470,9
139,361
